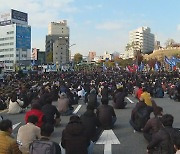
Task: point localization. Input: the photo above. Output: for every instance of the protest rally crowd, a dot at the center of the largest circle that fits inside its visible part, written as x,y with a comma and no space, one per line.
45,98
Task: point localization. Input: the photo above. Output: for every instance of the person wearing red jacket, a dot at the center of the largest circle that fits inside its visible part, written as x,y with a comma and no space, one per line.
36,111
139,92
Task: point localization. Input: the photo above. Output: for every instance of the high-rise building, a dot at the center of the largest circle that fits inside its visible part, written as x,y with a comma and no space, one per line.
15,39
142,39
57,42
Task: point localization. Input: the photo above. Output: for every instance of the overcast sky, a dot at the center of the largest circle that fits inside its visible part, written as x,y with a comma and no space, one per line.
100,25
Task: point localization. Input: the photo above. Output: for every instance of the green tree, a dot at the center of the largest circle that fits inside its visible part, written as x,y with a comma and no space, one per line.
78,58
125,62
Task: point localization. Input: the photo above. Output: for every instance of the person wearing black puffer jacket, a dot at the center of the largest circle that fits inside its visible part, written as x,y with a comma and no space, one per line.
74,139
91,123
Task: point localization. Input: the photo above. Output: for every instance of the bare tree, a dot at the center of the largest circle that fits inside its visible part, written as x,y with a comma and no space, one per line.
169,42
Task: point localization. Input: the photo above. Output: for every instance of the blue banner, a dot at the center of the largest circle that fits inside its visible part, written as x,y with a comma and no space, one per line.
175,60
53,67
167,60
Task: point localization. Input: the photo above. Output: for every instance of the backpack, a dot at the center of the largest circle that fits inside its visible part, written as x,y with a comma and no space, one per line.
42,147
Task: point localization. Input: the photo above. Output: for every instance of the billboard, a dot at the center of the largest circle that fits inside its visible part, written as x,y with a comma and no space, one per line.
17,15
13,16
23,37
5,19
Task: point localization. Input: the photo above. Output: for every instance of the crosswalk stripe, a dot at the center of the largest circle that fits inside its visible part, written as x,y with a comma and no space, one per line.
77,109
129,100
15,125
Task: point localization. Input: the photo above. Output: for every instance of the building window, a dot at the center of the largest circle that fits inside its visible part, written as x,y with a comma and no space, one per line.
11,32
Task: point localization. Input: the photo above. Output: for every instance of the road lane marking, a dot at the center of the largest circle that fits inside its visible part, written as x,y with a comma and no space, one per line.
77,109
62,149
15,125
108,138
129,100
3,111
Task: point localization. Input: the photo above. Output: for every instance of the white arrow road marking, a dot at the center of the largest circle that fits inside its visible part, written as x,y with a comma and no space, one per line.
107,138
129,100
77,109
15,125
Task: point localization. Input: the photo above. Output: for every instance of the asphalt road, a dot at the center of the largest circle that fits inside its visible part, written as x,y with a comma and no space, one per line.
130,142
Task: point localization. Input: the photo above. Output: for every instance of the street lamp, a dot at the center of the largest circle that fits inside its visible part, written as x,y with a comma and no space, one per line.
72,45
69,51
